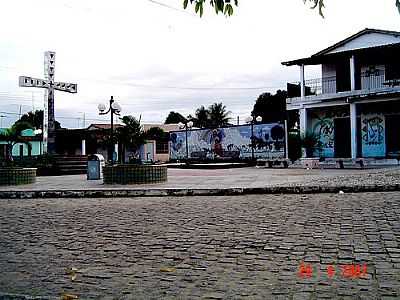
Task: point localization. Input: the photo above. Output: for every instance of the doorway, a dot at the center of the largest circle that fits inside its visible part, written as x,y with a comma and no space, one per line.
392,135
342,137
343,77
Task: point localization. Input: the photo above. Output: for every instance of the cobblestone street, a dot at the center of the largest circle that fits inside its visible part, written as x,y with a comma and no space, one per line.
244,247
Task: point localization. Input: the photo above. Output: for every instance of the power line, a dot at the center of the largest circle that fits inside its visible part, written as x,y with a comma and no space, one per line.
188,87
171,7
179,87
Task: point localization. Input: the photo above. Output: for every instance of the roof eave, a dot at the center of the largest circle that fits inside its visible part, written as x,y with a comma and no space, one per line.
315,58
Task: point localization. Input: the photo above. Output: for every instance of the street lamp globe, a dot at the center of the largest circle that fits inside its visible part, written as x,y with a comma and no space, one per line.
259,119
115,106
101,107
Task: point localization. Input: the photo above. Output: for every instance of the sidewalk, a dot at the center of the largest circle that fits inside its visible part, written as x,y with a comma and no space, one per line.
217,182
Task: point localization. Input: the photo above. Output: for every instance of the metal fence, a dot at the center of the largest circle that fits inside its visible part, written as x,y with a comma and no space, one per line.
367,80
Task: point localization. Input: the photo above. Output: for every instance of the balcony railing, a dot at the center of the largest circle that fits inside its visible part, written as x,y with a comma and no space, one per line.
319,86
372,80
329,85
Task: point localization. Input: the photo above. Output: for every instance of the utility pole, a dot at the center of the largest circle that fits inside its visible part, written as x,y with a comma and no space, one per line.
33,102
1,120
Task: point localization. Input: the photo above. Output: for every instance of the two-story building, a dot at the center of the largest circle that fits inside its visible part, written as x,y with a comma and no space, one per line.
354,108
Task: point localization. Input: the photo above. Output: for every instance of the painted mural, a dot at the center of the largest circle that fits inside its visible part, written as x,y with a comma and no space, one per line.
373,135
230,142
323,126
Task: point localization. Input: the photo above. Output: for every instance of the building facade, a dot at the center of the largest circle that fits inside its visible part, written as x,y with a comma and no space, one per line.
22,149
93,140
354,107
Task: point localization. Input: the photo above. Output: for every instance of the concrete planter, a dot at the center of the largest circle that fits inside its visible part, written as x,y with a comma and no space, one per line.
16,176
134,174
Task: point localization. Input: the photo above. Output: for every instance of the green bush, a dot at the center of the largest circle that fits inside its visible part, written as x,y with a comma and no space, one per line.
310,141
294,144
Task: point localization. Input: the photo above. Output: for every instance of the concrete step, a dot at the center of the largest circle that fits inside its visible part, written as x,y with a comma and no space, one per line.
69,165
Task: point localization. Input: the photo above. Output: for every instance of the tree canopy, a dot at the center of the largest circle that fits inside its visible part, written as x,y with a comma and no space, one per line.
226,7
218,115
272,108
201,118
36,119
156,133
131,134
175,118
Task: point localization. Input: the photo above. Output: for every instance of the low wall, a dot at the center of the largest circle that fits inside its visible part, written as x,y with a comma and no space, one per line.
15,176
134,174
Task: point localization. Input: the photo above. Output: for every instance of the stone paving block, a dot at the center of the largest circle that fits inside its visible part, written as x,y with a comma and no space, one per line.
237,246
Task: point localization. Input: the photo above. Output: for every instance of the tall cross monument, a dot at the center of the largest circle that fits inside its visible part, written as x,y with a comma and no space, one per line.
50,85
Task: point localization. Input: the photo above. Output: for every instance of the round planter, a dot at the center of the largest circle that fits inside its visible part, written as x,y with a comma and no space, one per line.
16,176
134,174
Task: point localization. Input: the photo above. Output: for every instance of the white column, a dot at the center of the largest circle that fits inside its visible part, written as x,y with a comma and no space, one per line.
302,82
83,147
303,120
352,73
116,151
286,140
353,128
303,127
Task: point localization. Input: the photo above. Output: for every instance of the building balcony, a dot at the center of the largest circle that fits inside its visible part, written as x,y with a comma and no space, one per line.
326,88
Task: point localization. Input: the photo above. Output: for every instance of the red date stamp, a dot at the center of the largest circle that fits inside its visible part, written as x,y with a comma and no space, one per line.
352,271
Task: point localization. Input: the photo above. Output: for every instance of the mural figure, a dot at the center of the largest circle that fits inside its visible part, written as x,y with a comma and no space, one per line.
277,134
324,128
373,135
218,148
373,131
176,144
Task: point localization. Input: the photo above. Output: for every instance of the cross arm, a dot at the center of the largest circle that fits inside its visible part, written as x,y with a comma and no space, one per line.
25,81
66,87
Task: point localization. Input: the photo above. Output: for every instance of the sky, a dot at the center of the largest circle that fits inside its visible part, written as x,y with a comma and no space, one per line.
154,59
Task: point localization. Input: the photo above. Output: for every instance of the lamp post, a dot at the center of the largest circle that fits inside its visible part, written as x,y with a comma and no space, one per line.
114,108
187,125
252,120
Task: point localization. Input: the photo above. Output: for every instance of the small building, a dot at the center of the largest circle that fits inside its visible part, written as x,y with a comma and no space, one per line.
157,150
354,107
22,149
93,140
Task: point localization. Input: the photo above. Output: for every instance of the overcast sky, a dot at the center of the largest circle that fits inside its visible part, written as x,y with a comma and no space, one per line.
155,59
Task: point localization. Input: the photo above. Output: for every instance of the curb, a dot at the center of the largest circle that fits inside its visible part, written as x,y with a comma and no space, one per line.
24,297
132,193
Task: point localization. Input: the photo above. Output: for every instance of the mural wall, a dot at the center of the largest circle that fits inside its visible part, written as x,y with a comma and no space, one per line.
373,135
323,126
230,142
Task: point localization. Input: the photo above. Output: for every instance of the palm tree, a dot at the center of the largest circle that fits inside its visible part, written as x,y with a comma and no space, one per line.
202,117
130,136
12,136
218,116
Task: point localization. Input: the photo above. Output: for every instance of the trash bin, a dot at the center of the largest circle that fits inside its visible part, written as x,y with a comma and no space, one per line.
95,167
